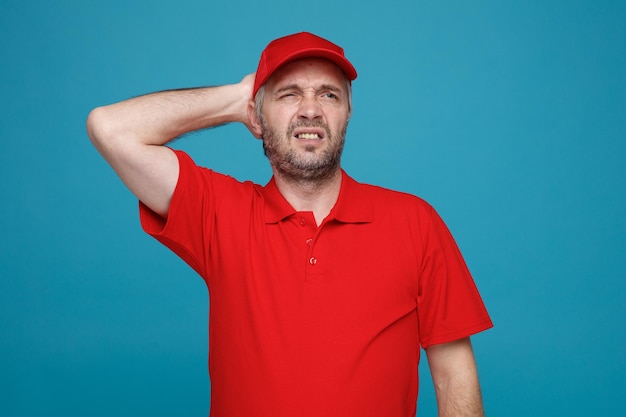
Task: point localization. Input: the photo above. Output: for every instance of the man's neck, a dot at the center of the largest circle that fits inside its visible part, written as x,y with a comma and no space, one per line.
317,196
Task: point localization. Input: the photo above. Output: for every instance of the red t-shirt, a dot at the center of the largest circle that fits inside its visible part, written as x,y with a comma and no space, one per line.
317,321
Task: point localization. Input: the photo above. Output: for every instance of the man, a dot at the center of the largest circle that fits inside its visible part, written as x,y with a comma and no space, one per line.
322,289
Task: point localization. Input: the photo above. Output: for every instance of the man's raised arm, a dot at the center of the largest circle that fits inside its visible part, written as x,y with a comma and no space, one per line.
130,134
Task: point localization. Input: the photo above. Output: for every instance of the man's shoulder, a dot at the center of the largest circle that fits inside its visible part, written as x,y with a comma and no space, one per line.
189,167
387,197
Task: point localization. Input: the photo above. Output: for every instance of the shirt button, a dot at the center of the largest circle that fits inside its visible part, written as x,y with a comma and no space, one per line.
313,261
309,242
302,222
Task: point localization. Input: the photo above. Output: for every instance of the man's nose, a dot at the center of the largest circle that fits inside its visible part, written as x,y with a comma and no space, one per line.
309,107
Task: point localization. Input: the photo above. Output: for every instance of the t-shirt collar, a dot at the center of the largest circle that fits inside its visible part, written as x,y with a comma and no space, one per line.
352,206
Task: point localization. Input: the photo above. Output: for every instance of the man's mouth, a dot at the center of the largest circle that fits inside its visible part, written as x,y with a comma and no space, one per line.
308,136
309,131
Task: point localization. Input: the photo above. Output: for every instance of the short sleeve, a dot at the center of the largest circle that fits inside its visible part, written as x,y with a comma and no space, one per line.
449,305
188,223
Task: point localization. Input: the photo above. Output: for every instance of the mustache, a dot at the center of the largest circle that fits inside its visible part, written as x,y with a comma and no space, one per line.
308,123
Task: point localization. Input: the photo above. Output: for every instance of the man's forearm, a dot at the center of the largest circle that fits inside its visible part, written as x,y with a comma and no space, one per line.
157,118
130,134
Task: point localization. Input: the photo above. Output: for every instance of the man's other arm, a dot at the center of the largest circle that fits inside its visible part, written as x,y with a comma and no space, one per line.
131,134
453,369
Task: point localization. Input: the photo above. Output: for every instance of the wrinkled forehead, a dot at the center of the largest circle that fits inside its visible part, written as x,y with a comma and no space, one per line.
308,72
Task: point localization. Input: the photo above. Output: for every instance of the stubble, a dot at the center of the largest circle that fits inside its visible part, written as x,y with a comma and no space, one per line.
305,165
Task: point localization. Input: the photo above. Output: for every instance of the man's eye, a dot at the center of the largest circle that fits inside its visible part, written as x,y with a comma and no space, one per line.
331,96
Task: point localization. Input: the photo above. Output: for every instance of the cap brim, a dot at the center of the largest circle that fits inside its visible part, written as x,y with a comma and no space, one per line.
345,65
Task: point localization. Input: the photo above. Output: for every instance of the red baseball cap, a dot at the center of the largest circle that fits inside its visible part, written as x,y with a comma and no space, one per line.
299,45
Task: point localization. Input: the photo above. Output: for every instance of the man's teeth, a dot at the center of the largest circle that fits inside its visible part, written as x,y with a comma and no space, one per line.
308,136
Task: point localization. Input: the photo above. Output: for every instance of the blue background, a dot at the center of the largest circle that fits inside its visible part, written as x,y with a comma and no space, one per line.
508,116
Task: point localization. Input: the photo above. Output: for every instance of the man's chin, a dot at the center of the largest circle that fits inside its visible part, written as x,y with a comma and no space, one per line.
309,169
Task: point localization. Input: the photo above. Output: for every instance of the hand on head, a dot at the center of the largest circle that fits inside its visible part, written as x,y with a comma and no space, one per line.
247,86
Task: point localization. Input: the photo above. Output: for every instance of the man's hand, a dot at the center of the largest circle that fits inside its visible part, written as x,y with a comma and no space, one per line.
247,86
453,368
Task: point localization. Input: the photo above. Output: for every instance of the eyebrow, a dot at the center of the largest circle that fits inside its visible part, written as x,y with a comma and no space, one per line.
287,88
329,87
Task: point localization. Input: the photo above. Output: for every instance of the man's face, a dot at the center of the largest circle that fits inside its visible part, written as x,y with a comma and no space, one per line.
304,119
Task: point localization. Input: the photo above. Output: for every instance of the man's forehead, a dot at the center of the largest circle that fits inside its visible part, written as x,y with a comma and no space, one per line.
308,71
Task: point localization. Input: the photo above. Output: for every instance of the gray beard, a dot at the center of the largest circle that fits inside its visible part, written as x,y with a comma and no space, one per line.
299,168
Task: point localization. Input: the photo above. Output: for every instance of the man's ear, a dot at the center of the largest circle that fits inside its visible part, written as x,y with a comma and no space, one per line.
255,123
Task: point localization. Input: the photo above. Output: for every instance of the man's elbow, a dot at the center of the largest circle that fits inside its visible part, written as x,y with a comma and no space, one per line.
97,123
106,132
